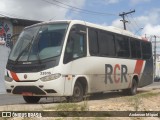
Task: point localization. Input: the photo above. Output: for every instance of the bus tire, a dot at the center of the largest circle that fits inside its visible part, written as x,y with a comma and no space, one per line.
133,89
31,99
77,93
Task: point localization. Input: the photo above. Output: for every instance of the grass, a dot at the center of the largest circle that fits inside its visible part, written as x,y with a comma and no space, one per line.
67,109
71,107
143,95
82,106
137,100
149,94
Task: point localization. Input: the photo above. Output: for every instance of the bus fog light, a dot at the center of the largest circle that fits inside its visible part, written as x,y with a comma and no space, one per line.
8,79
50,77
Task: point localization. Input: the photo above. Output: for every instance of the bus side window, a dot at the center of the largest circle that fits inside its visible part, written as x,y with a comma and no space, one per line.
146,50
106,44
122,46
135,49
93,42
76,46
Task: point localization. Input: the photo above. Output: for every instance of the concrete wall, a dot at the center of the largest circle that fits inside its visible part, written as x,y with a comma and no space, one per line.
6,30
4,52
157,72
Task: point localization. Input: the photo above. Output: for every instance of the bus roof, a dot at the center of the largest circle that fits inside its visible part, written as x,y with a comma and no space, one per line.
107,28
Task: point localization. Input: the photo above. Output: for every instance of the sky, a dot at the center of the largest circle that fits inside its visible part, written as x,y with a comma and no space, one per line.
145,20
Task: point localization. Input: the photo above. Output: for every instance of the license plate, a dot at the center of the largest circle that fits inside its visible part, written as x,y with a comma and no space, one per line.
27,94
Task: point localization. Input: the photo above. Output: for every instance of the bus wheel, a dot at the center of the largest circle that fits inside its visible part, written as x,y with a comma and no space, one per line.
77,93
133,89
31,99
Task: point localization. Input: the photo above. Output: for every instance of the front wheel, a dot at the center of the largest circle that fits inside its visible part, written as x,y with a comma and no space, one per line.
31,99
77,93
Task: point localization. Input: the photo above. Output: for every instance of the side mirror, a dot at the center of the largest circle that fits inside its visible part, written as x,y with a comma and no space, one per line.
78,32
79,29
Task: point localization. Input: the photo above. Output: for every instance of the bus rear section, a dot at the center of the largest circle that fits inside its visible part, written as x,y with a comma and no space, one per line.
123,61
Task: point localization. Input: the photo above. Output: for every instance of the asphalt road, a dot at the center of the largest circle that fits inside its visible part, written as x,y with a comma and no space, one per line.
6,99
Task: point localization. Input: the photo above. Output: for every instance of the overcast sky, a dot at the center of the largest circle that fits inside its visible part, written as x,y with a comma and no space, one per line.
146,19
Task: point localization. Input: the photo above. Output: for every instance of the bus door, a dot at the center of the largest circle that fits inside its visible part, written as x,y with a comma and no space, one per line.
74,53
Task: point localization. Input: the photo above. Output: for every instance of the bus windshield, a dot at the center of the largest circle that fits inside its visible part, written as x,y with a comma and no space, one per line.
39,43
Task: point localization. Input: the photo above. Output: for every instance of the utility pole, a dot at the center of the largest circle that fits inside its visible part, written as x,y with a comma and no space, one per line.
123,17
155,45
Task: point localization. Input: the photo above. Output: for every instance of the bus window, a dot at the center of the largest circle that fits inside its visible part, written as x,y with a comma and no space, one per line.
76,46
146,50
122,46
135,48
106,44
93,41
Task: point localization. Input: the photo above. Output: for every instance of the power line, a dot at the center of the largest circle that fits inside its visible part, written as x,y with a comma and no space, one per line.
55,4
131,21
76,9
89,11
134,27
138,27
134,21
62,6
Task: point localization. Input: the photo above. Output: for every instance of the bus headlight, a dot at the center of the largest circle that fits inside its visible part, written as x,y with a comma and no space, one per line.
50,77
8,79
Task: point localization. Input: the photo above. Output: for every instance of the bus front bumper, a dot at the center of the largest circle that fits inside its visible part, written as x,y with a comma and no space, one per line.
37,88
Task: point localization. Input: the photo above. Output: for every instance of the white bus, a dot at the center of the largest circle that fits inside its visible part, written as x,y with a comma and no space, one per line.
73,58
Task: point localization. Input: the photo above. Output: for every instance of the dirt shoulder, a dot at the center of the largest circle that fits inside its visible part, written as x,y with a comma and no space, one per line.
147,99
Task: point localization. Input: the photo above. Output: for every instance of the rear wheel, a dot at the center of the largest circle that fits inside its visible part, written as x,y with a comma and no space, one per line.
77,93
31,99
133,89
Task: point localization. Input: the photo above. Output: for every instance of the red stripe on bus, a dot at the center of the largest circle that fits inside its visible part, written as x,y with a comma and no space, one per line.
14,76
138,67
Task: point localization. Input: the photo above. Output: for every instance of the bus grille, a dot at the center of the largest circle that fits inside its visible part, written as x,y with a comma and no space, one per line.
29,89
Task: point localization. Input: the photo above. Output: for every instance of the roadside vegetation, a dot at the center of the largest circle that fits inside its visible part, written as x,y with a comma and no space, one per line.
143,101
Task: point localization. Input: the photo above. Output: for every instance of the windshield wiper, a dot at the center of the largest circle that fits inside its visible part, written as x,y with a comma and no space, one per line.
29,44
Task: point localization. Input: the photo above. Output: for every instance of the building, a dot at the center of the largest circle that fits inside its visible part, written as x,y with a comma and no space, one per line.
8,27
157,69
